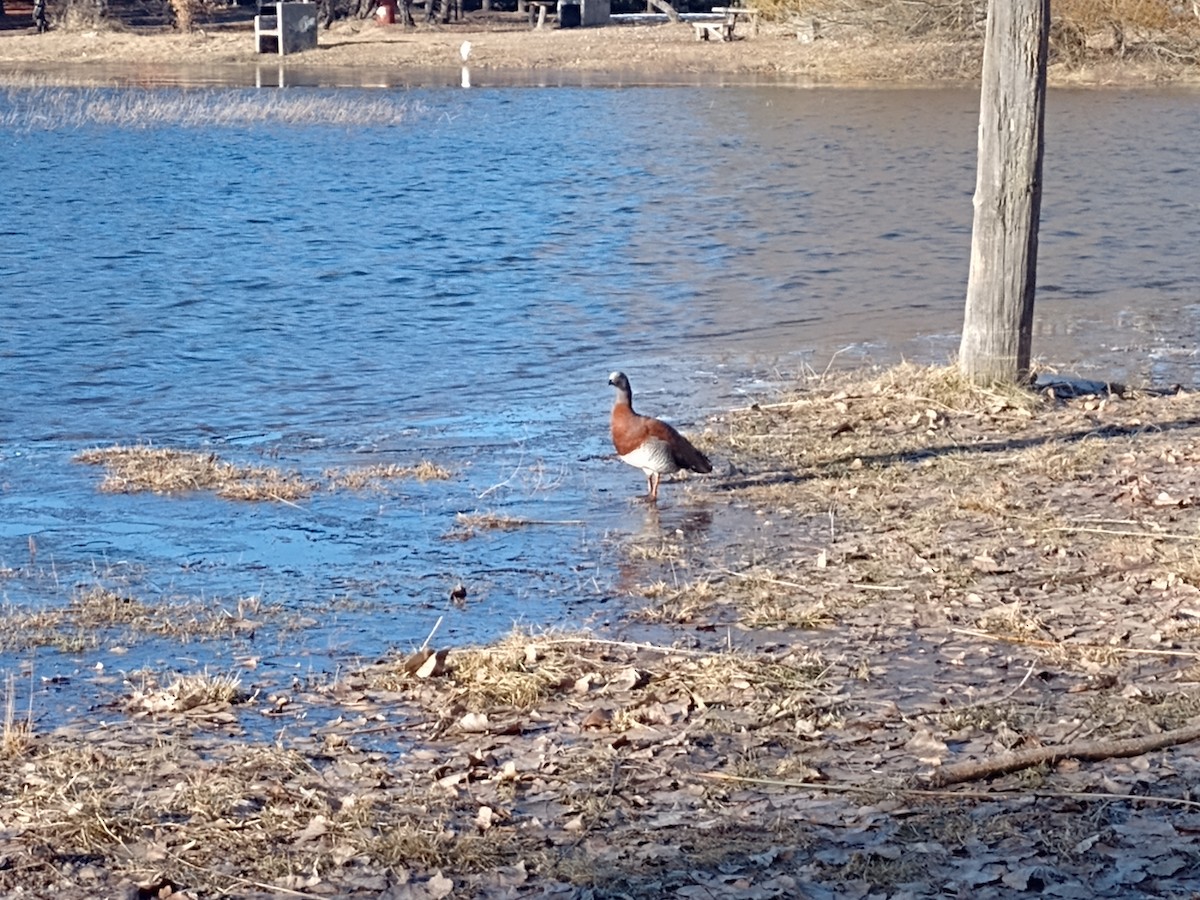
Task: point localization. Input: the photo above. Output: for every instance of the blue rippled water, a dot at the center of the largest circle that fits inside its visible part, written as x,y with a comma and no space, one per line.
456,284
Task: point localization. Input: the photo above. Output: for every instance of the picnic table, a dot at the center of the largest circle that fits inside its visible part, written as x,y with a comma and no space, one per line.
724,27
538,8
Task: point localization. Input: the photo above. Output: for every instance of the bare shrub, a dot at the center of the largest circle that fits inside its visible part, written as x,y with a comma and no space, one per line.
1155,28
188,12
1119,27
78,15
883,18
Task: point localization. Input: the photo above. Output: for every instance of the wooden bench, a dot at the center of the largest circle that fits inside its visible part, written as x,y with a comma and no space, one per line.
720,29
733,13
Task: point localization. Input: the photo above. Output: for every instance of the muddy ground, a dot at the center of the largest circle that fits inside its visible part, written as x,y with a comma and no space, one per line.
938,575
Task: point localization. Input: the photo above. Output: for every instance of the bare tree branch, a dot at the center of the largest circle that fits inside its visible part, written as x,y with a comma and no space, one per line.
1092,751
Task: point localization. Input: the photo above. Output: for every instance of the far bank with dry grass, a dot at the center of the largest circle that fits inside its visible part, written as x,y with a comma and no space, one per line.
856,42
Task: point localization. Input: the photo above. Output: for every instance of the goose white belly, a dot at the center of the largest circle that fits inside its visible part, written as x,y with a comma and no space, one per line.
652,455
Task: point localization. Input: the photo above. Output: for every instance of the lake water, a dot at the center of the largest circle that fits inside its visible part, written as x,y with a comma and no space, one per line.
453,276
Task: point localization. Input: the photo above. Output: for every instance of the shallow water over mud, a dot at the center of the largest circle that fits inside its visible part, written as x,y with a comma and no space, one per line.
456,287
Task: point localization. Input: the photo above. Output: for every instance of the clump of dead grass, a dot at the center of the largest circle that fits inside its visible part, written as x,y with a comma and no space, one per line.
472,522
170,471
1012,620
167,471
469,525
372,477
852,425
424,841
522,673
677,603
96,613
183,693
17,735
515,674
658,549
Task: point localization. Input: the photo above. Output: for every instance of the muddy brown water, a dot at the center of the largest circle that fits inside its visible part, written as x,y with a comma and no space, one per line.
457,286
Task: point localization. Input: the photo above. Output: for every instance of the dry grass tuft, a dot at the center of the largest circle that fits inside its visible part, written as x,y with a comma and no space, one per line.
490,521
943,388
17,736
657,548
373,477
522,673
97,613
514,674
424,841
185,693
468,525
677,604
1012,620
168,471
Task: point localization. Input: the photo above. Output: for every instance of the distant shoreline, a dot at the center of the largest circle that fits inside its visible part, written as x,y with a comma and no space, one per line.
506,50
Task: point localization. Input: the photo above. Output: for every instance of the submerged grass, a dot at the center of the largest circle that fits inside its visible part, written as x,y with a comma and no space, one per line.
52,108
372,477
468,525
97,613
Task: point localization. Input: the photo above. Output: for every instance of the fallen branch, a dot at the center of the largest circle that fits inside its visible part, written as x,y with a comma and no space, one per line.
1075,645
1115,532
886,789
1092,751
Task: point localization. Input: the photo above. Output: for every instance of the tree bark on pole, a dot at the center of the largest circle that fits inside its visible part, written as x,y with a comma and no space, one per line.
998,327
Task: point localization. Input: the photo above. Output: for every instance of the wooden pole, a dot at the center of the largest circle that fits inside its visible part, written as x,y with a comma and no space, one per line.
998,327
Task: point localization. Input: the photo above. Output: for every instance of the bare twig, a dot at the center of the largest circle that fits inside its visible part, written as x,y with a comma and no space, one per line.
885,788
1112,532
1066,645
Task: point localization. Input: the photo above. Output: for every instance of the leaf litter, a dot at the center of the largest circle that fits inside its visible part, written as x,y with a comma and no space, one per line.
939,576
